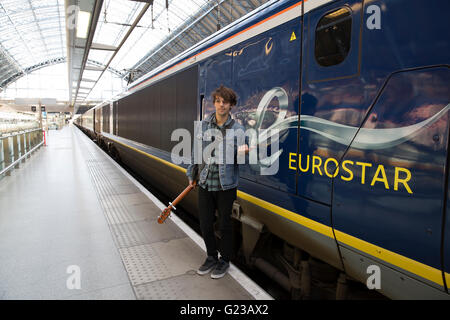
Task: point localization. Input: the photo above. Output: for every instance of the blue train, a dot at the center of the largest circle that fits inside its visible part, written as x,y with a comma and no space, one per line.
360,93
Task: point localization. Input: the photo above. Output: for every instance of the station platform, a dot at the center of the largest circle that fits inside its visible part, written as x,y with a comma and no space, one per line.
75,225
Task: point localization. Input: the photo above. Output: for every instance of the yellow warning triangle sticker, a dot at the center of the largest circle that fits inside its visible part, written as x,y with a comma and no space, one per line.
293,37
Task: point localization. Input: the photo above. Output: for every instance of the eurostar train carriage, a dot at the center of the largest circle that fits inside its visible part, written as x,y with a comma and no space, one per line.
360,93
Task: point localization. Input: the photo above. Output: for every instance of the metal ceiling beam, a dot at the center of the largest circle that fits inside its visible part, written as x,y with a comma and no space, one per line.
198,32
35,67
100,46
92,26
192,38
205,23
110,69
17,31
150,2
152,57
226,12
37,25
136,21
250,5
210,23
61,30
94,68
16,74
239,7
5,54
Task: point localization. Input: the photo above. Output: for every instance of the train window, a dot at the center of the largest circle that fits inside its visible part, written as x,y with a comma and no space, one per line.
333,34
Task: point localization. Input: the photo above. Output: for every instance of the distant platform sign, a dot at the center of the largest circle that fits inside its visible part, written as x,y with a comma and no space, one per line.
46,101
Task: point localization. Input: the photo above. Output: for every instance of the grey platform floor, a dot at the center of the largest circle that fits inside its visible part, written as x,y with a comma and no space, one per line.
74,226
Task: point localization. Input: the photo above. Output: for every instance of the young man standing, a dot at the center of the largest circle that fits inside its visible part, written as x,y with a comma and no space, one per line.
217,182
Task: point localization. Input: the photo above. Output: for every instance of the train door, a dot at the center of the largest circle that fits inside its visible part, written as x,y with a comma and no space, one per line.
387,194
115,116
266,78
97,120
446,236
93,120
100,120
332,93
214,72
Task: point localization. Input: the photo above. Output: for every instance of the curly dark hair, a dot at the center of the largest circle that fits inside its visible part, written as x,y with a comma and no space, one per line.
227,94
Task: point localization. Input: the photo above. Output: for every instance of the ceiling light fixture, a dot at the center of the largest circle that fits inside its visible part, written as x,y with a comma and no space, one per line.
83,24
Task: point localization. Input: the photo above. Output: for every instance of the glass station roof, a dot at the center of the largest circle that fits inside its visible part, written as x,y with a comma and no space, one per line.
31,33
116,20
117,16
129,35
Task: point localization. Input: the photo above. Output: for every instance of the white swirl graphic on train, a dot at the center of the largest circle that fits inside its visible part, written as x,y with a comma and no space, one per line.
368,139
270,136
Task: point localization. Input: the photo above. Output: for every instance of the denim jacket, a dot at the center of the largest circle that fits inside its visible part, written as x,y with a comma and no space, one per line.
228,172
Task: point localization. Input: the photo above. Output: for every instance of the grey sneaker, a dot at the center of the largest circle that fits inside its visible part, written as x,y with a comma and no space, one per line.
220,270
209,264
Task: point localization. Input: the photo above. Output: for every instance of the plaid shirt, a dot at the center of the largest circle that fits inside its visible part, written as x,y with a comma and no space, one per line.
212,182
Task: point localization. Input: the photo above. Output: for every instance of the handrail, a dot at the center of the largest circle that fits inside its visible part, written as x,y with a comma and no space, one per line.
18,133
15,162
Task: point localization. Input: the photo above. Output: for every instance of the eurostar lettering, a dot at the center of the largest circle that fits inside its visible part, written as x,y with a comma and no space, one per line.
349,169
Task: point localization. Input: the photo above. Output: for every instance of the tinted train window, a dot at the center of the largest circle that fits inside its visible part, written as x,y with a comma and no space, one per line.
333,34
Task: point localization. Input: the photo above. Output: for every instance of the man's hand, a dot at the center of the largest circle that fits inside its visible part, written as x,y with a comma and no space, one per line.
243,149
192,183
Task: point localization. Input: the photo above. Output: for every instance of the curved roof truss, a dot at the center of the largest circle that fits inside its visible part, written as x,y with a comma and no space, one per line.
20,73
31,33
